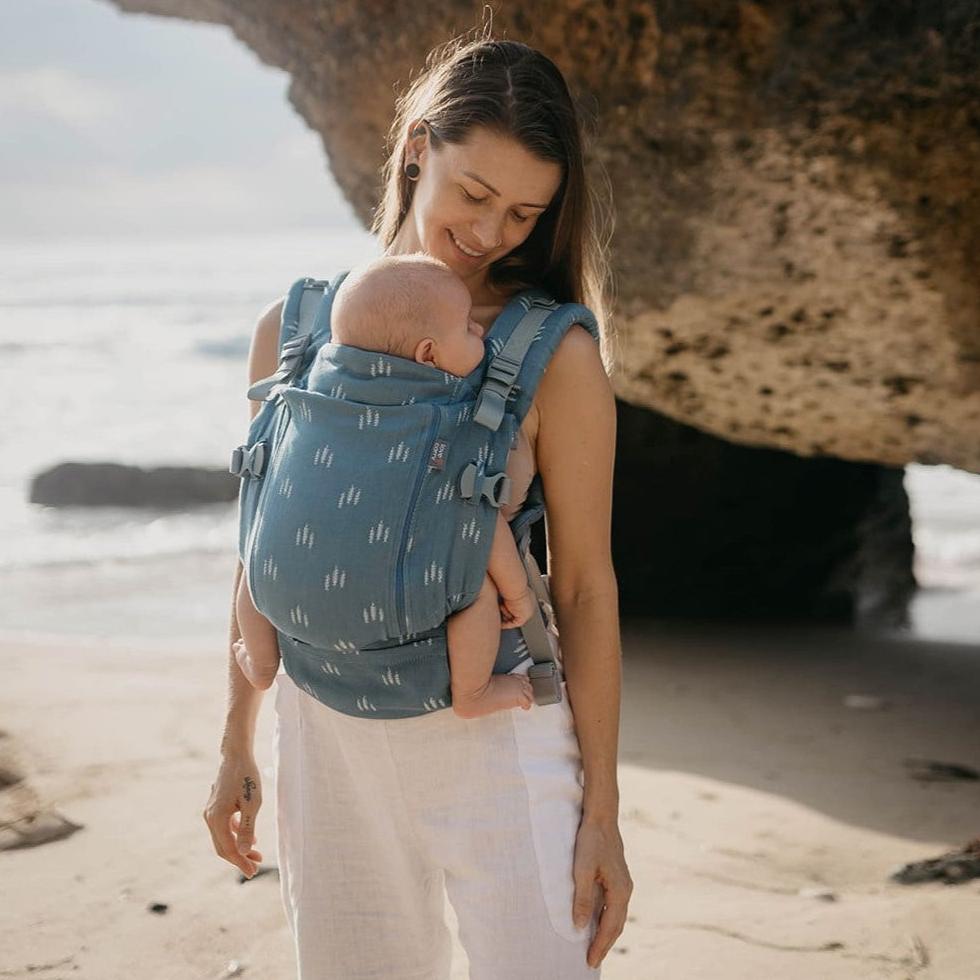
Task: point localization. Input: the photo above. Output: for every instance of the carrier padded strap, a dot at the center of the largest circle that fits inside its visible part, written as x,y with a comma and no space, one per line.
319,325
541,344
505,367
305,314
297,312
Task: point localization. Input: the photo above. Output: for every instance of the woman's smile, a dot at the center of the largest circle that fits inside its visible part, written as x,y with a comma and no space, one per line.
462,249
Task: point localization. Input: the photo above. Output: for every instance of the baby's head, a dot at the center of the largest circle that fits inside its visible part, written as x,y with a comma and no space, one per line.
413,306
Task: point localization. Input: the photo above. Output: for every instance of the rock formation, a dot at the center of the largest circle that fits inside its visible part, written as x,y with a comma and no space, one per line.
116,485
796,236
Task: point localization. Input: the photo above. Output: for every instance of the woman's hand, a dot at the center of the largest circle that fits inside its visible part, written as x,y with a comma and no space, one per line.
236,795
601,877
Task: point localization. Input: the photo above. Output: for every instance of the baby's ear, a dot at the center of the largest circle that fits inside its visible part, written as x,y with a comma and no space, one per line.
425,351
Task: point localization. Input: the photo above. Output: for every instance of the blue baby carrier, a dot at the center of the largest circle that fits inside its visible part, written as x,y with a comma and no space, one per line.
368,503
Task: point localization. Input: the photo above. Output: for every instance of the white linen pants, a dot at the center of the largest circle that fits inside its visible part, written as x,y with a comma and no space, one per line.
377,817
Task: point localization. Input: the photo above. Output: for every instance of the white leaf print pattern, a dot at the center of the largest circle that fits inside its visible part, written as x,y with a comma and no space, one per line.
380,367
350,496
399,453
369,417
323,456
469,531
298,617
374,613
379,532
336,578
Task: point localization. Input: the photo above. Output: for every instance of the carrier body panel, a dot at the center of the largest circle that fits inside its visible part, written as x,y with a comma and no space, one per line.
353,532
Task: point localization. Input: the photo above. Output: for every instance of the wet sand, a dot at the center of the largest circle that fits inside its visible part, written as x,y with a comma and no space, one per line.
745,781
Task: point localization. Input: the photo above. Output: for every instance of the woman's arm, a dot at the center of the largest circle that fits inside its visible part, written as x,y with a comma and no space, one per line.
244,700
575,453
236,793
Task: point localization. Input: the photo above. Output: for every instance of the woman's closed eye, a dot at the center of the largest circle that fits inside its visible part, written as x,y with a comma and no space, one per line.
480,200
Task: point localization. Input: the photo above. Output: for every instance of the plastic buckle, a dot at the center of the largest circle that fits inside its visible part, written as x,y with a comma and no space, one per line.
248,460
545,680
503,369
474,484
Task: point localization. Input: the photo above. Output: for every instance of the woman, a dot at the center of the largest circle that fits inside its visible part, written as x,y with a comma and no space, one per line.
515,818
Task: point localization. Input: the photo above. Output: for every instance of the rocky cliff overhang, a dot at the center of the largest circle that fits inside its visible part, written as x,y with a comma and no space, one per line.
798,222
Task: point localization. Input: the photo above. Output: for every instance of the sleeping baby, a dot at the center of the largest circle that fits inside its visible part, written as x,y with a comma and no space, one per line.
416,307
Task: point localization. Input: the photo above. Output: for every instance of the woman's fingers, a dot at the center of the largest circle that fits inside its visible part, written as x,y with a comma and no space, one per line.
602,880
241,840
230,815
222,837
612,920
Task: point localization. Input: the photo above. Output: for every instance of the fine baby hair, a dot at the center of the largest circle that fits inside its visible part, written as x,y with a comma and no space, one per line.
412,306
389,300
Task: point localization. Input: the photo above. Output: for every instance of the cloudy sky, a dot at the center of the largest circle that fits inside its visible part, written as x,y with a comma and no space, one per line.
115,124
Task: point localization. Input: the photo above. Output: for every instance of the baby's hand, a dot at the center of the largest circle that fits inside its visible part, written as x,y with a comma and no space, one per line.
516,610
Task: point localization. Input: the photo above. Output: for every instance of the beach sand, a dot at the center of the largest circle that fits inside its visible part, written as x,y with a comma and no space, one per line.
744,780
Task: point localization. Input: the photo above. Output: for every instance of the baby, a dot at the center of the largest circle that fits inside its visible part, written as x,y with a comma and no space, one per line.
416,307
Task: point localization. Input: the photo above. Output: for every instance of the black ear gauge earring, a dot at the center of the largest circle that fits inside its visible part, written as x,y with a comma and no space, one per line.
412,171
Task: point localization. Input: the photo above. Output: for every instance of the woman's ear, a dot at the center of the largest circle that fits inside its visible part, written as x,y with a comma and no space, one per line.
418,141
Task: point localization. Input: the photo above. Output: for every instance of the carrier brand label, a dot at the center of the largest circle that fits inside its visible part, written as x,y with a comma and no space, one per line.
437,458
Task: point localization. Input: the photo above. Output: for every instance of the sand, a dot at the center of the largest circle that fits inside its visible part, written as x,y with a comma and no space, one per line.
744,781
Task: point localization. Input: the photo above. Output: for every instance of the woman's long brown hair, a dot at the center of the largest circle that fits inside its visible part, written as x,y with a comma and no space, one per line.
516,91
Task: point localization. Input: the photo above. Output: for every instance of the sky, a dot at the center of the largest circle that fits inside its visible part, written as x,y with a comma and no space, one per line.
117,124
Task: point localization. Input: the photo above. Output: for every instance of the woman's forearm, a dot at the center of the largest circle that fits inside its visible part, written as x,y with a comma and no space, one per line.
590,645
244,700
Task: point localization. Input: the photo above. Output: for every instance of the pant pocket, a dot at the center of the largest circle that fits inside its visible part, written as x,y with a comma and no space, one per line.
551,764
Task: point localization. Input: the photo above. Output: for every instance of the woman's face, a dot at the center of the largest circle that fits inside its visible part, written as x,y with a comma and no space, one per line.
474,202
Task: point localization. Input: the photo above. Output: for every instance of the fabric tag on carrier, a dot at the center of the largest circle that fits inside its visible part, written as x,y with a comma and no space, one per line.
437,457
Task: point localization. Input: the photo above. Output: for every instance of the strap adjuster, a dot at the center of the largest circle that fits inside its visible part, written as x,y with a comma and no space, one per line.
248,460
290,359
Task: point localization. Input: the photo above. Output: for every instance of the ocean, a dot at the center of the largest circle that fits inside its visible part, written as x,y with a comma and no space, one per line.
135,351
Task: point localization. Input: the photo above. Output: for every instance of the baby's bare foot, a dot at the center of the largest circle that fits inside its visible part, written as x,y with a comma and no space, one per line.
501,691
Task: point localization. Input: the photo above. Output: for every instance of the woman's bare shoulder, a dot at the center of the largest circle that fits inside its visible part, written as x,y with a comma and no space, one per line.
263,354
575,452
574,373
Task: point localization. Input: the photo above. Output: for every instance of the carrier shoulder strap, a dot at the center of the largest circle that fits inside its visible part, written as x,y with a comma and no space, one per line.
522,340
305,316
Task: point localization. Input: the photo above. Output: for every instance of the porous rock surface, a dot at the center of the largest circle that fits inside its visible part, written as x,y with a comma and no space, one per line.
797,216
795,251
